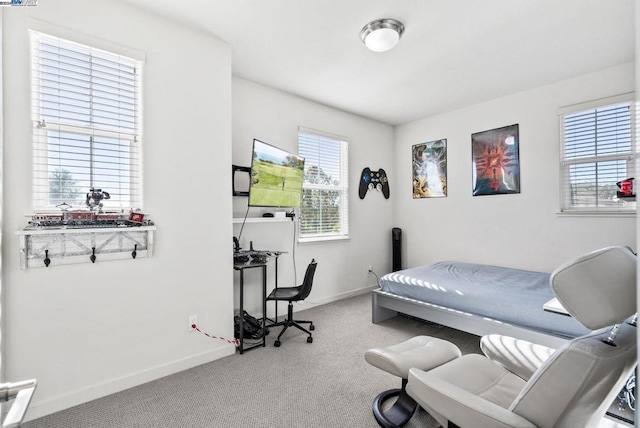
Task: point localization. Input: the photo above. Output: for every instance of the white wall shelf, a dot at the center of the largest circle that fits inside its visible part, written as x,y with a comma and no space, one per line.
261,220
77,245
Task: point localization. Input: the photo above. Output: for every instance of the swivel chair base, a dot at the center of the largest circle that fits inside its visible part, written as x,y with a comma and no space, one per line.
290,322
399,413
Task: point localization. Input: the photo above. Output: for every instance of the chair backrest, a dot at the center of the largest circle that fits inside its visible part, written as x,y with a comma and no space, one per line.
305,287
577,384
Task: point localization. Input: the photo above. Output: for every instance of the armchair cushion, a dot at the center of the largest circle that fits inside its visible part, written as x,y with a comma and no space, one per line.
468,391
424,352
518,356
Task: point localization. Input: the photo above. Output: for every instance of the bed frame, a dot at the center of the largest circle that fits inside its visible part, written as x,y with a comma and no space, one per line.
387,305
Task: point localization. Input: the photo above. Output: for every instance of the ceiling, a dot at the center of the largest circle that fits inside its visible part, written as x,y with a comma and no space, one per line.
454,53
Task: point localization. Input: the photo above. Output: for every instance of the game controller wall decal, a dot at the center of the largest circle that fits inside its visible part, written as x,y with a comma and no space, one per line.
373,180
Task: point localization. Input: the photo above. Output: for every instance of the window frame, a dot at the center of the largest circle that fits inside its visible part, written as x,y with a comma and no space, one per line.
84,127
630,157
342,188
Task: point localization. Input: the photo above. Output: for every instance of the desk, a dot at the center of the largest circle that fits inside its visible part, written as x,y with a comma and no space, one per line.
254,264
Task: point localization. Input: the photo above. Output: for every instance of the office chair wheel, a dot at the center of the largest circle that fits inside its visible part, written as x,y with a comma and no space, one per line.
309,339
312,327
277,343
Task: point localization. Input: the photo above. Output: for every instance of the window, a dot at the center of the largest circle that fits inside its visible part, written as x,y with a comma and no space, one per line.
597,152
324,209
86,115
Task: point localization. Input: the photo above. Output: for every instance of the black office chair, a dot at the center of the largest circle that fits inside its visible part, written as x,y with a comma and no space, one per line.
294,294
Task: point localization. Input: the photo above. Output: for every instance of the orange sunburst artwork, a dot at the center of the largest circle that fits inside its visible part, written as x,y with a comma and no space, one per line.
496,161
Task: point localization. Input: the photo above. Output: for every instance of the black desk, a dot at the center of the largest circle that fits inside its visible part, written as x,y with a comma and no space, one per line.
241,267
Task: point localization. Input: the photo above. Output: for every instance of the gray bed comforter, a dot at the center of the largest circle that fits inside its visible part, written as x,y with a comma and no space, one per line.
508,295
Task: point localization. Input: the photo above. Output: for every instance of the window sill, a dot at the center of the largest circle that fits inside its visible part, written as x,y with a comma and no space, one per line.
612,214
323,239
239,220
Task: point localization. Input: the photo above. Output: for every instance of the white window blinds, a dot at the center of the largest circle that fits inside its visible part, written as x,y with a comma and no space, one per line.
597,152
324,209
86,115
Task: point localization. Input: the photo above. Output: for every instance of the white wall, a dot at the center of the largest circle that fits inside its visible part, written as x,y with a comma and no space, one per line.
274,117
522,230
87,330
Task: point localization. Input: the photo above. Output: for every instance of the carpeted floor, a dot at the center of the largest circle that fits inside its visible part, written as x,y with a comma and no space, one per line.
323,384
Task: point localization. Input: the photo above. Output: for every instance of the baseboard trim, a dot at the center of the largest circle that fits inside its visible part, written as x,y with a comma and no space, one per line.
308,303
311,303
74,398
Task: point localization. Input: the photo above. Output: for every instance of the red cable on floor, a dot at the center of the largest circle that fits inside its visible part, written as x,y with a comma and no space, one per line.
236,342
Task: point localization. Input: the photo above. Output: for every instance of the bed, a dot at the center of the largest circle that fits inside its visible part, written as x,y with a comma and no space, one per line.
479,299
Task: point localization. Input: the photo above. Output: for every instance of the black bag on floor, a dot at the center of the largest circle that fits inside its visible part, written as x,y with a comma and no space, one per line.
252,327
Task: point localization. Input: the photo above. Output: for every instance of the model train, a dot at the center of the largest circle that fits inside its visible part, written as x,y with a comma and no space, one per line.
93,217
84,218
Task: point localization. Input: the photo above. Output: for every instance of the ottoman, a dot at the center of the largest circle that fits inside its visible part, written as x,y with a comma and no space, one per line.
423,352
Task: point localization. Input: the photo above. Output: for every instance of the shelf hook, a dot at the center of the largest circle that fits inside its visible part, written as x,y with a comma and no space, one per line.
47,260
93,255
134,253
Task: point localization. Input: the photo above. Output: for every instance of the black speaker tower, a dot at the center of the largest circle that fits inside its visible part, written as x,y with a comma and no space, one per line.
396,245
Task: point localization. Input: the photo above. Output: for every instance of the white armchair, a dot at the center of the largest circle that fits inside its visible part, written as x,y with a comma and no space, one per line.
519,384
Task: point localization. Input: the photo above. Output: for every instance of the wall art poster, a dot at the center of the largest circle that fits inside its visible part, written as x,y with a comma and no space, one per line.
430,169
496,161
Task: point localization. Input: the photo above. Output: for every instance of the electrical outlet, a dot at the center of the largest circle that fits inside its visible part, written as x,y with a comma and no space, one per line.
193,320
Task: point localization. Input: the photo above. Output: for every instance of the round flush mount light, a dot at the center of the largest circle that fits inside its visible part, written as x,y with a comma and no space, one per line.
382,34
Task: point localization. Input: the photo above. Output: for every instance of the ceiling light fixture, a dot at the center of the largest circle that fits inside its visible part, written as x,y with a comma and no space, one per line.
382,34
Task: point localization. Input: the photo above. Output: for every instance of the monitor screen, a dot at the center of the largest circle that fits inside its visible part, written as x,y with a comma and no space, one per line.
276,177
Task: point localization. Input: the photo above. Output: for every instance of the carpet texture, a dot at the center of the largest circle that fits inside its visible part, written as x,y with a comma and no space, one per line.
323,384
